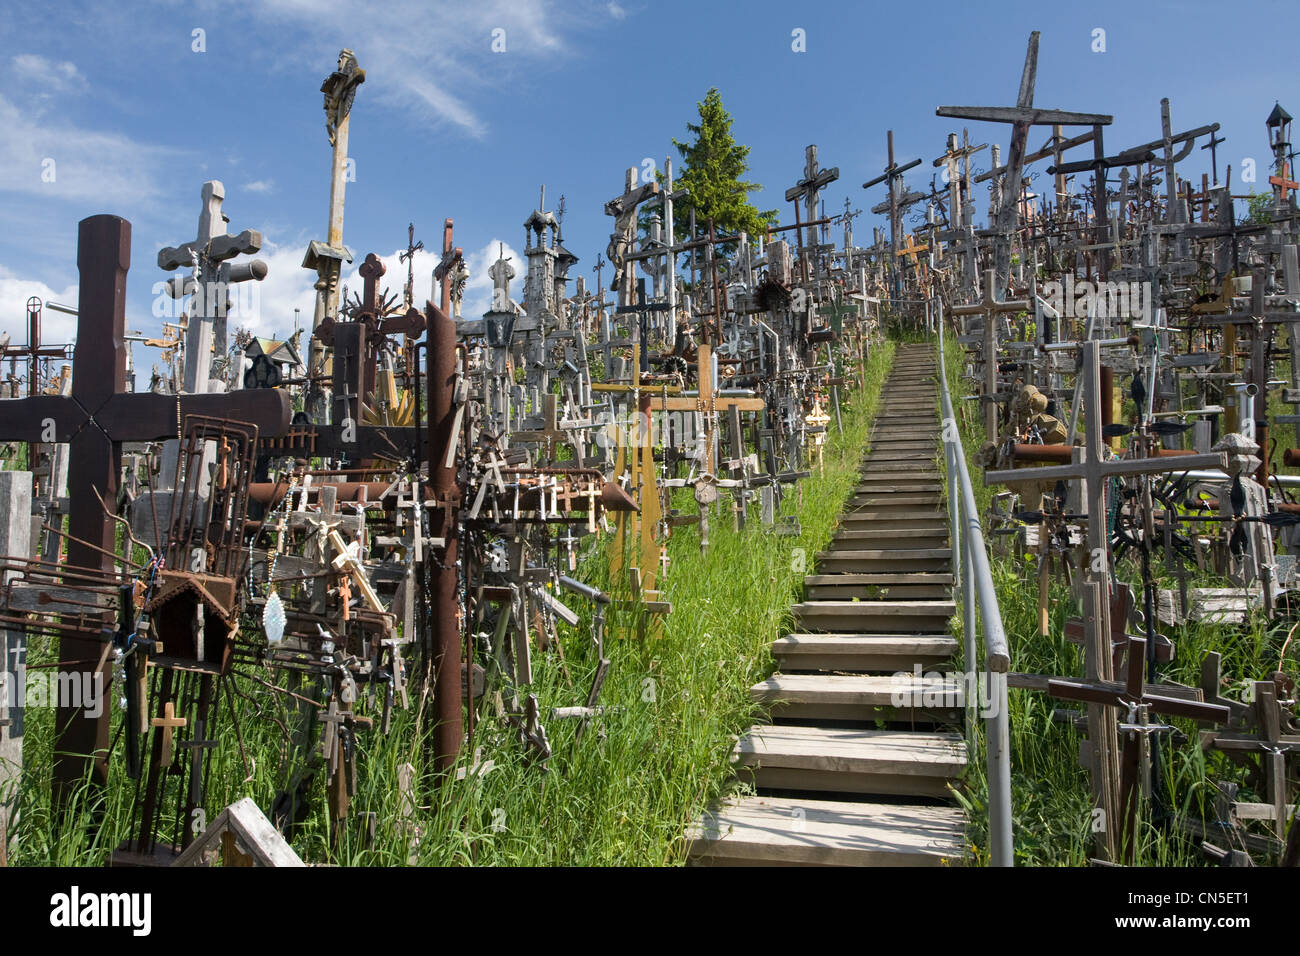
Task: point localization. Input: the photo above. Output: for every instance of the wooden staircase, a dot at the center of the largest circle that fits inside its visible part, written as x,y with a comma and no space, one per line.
853,769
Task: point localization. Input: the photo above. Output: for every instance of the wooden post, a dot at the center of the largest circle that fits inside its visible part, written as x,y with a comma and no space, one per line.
15,506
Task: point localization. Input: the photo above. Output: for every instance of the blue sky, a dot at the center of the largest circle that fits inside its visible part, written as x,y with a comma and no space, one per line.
136,120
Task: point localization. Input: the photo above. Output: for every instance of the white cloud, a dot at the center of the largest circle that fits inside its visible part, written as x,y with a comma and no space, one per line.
260,186
266,307
66,162
46,77
408,73
615,11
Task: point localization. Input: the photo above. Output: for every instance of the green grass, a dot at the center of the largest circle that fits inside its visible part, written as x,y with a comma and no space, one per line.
622,795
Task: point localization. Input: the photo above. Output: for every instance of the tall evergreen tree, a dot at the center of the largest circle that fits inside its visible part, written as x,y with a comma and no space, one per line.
713,165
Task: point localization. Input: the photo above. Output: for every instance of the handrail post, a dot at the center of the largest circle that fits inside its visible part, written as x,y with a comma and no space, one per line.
978,590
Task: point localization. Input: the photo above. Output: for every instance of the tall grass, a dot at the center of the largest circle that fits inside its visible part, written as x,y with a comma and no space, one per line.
621,795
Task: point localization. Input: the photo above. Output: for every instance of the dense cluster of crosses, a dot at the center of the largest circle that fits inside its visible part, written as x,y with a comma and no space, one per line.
394,511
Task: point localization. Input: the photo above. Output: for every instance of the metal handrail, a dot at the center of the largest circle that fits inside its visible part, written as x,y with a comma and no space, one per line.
971,568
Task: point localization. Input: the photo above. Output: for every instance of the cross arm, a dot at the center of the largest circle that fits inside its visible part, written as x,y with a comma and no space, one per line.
824,178
891,171
1189,138
220,249
1030,115
1127,158
1108,692
616,207
26,419
150,417
1126,466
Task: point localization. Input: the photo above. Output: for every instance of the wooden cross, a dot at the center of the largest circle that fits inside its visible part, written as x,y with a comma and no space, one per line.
1284,182
911,249
1095,473
708,403
168,723
1021,117
893,179
990,308
953,154
1133,697
809,188
94,421
551,435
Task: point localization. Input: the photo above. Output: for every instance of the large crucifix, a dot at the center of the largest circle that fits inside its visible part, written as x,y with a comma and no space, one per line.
809,189
209,251
326,258
94,421
1021,117
1096,472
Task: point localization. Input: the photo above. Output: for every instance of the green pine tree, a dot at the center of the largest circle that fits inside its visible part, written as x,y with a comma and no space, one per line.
712,169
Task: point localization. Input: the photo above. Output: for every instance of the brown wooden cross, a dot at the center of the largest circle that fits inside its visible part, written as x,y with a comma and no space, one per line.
1284,182
94,421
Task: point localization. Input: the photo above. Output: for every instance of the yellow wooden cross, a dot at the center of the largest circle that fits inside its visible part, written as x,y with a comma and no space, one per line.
169,723
911,249
708,403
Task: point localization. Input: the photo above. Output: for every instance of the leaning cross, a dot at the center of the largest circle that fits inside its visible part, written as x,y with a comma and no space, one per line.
1284,182
1021,117
206,332
1138,702
94,421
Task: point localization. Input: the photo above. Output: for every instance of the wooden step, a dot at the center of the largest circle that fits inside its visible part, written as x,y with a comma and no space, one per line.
848,760
787,831
894,519
889,539
876,501
904,466
922,617
844,651
902,697
921,587
885,559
